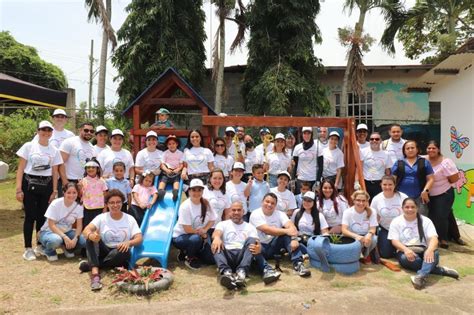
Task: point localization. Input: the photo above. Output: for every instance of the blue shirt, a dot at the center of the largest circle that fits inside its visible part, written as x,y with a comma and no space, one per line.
410,185
258,190
299,200
122,185
168,123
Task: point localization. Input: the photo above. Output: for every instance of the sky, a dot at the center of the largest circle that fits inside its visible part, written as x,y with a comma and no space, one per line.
59,30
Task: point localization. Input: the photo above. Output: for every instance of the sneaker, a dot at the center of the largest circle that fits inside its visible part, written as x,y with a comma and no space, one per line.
181,256
449,272
67,253
270,275
418,282
84,266
39,251
240,278
227,280
53,257
460,241
161,194
192,263
95,283
29,254
175,194
302,270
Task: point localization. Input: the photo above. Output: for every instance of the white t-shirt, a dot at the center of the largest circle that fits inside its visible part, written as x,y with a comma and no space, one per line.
219,202
388,208
278,162
224,163
407,231
99,149
375,163
235,192
235,235
286,200
113,232
39,159
261,151
358,222
78,151
190,214
307,162
58,137
231,149
394,149
108,157
363,146
251,158
150,161
197,159
306,224
333,160
62,215
320,146
277,219
332,217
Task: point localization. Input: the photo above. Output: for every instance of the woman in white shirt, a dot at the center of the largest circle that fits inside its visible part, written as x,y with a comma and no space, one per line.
308,220
222,160
414,236
215,193
198,161
333,160
277,160
286,199
332,206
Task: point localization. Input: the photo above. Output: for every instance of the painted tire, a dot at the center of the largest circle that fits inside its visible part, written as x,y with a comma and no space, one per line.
339,253
347,269
157,286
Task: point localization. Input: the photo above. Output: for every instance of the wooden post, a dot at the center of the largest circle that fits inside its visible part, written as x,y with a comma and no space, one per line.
136,127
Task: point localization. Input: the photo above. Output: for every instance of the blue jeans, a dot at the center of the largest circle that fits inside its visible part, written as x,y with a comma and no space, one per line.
386,249
194,245
274,248
51,241
421,267
235,259
367,250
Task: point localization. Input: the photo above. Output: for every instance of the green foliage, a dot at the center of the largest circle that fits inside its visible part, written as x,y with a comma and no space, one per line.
21,126
282,72
24,63
157,35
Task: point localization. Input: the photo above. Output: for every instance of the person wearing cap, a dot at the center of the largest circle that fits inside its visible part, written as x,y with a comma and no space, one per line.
235,188
333,160
163,122
222,159
198,160
306,156
361,136
286,199
149,158
190,234
75,151
116,153
60,134
264,132
394,145
235,150
277,232
37,182
290,141
308,220
101,138
252,157
171,166
277,160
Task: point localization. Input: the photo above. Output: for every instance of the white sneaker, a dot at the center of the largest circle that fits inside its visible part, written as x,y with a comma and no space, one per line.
67,253
29,254
52,257
39,251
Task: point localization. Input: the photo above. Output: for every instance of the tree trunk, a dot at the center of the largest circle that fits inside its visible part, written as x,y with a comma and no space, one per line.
350,59
220,70
102,68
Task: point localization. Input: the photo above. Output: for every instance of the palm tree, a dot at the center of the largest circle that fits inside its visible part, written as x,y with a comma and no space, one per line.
100,12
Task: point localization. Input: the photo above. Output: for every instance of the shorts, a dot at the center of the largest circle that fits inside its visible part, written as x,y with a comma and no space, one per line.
170,180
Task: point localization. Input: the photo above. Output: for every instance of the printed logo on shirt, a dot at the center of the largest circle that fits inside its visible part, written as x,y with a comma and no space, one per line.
236,238
217,203
40,161
283,204
115,237
360,227
197,222
307,155
82,155
374,165
409,236
151,164
391,212
195,161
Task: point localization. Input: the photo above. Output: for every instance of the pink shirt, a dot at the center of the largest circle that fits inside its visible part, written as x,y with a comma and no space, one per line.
441,172
144,193
172,159
93,192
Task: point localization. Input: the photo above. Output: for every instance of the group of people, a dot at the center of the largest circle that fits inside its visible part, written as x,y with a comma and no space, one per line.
246,203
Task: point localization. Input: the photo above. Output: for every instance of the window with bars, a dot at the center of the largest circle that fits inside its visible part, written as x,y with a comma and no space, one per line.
358,106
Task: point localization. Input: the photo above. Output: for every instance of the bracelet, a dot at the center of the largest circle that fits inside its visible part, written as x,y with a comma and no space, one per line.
19,192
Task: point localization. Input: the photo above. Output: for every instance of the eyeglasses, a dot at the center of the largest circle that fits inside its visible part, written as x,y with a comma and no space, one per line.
374,139
360,200
220,145
88,130
46,129
114,203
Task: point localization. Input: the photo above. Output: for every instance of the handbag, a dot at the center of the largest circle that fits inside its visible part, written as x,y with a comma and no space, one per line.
417,249
39,185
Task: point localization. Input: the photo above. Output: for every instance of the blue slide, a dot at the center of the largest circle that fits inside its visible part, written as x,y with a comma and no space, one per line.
157,228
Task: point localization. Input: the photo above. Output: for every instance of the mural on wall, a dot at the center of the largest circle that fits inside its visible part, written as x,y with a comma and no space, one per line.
465,187
458,143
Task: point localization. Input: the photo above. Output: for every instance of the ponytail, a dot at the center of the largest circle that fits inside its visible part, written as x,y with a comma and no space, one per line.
419,222
204,206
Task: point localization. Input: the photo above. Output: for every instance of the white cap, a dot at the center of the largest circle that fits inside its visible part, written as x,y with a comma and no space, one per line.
116,132
334,133
45,124
309,194
280,136
230,129
93,163
59,112
100,128
151,133
196,182
284,173
362,127
307,129
238,165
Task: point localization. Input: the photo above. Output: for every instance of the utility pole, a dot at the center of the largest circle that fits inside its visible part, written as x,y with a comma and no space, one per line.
91,76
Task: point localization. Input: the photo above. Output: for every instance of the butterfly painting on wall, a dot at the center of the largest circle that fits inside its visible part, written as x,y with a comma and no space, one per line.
458,143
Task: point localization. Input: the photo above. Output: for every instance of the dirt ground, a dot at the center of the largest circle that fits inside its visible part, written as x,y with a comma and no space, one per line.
43,287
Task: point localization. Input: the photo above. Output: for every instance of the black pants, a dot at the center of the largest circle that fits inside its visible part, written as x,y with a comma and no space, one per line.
138,213
453,229
35,204
235,259
100,255
373,188
440,209
89,215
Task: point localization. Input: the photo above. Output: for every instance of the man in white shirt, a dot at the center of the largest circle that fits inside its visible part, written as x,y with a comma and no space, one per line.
235,153
361,134
394,145
263,133
234,245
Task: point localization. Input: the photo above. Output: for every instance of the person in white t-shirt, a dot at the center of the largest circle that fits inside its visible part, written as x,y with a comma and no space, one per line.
235,188
234,245
277,160
222,159
360,223
101,138
394,145
305,157
110,238
361,136
414,236
60,133
333,160
388,205
266,146
332,205
308,220
215,193
252,157
191,233
149,159
277,232
286,199
198,161
235,150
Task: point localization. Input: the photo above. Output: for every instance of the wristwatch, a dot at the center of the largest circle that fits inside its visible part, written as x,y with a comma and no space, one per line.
426,190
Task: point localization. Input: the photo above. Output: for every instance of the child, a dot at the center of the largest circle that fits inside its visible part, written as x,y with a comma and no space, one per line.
258,188
164,123
171,165
304,187
93,190
141,194
119,182
216,195
236,189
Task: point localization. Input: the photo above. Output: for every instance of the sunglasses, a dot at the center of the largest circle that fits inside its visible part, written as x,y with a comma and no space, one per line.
220,145
374,139
88,130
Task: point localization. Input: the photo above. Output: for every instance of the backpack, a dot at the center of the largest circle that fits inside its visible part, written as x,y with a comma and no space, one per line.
420,172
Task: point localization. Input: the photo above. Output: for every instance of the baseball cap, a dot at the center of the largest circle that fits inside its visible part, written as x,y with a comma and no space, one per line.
59,112
238,165
171,137
307,129
362,127
116,132
230,129
196,182
264,130
284,173
151,133
101,128
45,124
310,195
279,136
163,111
334,133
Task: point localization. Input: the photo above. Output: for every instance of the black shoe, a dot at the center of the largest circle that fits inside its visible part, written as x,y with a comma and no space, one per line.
181,256
270,275
449,272
227,280
460,241
84,266
418,282
301,269
444,245
161,194
192,263
175,194
240,278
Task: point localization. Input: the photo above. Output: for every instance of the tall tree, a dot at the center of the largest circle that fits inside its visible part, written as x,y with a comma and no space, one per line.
282,71
23,62
157,35
438,26
100,12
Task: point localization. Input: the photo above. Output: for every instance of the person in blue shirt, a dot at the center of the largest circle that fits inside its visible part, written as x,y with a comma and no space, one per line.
163,122
258,189
119,182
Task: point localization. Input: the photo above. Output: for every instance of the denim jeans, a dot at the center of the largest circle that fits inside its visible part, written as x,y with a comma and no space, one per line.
367,250
421,267
194,245
51,241
386,249
235,259
274,248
